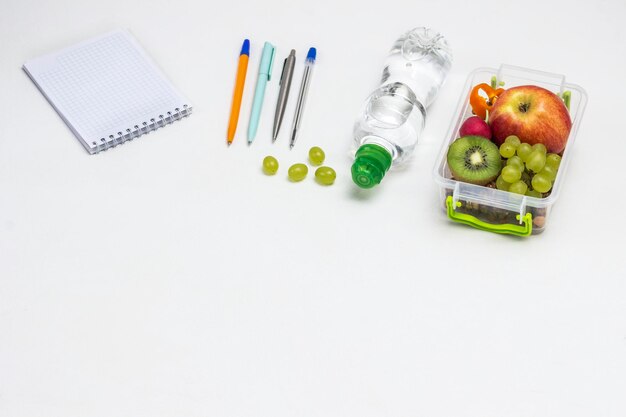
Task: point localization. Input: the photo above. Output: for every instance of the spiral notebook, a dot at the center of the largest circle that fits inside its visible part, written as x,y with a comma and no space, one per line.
107,90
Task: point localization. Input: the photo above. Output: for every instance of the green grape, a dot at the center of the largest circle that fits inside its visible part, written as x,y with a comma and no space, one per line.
516,161
325,175
534,193
536,161
541,183
553,160
316,156
507,150
524,150
513,140
540,147
511,174
270,165
501,184
549,172
297,172
518,187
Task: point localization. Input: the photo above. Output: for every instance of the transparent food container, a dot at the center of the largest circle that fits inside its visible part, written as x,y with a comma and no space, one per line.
488,208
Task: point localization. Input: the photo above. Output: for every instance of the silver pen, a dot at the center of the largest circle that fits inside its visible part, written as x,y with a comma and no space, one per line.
304,87
283,94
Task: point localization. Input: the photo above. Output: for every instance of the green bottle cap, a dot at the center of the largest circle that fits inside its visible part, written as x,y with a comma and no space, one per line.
371,162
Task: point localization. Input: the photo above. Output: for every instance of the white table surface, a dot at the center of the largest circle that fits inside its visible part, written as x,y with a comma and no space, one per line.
169,277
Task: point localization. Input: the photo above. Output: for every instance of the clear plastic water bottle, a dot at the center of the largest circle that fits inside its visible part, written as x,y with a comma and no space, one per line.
393,115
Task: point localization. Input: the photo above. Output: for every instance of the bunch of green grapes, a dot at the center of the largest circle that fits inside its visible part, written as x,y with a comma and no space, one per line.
529,169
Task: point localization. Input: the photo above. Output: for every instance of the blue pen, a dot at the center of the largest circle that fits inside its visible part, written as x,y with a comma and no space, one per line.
265,73
304,88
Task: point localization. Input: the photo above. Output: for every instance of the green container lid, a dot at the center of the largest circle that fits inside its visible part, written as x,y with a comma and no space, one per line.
371,162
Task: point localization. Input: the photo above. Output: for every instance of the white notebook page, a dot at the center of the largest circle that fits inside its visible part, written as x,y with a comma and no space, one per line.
107,89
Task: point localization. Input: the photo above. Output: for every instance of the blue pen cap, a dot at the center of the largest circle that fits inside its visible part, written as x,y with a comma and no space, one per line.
245,48
311,55
267,60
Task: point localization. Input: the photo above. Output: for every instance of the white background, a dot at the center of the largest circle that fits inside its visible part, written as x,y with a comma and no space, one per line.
169,277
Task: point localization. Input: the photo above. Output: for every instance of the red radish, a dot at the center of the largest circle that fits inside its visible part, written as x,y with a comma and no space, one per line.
475,126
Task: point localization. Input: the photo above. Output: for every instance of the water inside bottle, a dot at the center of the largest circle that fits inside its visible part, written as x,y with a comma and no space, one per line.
421,59
392,119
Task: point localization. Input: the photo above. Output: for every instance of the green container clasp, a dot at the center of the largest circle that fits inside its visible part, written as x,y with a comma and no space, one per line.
525,229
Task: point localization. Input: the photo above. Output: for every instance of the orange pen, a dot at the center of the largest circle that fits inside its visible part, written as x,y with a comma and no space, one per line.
238,93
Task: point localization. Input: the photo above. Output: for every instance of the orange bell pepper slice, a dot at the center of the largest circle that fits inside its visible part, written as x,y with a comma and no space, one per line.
480,105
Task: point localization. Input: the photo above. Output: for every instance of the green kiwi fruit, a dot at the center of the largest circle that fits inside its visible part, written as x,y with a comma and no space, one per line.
474,159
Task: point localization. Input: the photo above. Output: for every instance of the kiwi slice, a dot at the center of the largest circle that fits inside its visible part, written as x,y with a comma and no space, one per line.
474,159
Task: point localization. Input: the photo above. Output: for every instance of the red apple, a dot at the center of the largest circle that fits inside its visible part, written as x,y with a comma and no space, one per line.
475,126
533,114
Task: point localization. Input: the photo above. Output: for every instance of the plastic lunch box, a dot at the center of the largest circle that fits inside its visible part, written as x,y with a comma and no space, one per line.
488,208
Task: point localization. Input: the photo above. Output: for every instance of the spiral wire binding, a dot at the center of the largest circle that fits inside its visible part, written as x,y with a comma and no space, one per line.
131,133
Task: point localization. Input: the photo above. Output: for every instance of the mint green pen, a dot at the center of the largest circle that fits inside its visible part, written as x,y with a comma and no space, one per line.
265,73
